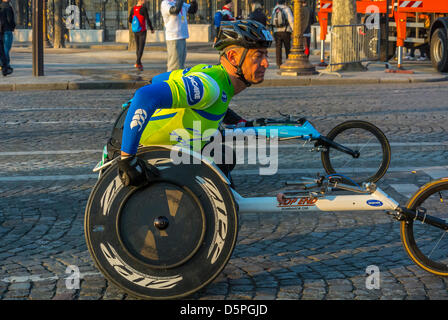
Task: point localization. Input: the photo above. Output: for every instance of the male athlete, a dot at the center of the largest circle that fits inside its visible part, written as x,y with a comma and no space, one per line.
174,100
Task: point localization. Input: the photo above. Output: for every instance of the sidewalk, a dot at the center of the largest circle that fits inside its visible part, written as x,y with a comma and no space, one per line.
110,66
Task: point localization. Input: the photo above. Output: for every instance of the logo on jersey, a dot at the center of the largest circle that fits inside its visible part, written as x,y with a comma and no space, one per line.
138,119
224,97
185,71
194,89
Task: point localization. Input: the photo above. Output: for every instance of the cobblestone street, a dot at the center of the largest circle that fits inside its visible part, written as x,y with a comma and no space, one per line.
52,139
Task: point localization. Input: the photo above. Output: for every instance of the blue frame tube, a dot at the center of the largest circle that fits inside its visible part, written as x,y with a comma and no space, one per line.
306,131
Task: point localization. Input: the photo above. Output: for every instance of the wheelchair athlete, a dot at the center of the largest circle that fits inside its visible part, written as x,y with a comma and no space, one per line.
174,100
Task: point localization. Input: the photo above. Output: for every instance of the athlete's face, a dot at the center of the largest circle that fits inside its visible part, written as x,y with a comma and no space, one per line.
255,65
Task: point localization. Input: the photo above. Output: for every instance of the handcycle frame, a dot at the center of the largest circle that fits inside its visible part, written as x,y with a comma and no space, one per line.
297,129
368,197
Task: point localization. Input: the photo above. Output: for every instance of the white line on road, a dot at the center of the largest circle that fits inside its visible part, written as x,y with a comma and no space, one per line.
281,146
48,178
405,189
46,152
54,109
236,172
39,278
58,122
440,170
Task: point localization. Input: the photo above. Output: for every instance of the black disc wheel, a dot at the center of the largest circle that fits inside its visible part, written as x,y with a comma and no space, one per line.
425,244
167,239
369,143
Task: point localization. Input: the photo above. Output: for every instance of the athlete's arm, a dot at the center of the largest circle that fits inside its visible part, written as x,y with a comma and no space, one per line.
145,101
196,91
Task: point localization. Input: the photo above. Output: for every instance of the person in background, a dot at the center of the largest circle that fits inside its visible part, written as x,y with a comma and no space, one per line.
282,22
139,18
308,20
174,15
227,11
257,13
6,33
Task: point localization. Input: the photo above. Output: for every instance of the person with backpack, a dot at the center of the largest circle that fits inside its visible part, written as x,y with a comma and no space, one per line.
282,23
7,26
225,14
257,13
139,18
227,11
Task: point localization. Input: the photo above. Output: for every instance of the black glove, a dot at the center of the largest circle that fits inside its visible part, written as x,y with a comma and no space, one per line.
256,123
133,171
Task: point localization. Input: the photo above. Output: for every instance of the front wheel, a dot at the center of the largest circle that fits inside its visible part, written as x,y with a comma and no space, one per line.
427,245
364,138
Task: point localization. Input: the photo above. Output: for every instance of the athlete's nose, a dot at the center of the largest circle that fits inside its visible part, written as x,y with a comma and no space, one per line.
265,62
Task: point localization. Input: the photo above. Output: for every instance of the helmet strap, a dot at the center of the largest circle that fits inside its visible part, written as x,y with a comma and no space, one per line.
239,70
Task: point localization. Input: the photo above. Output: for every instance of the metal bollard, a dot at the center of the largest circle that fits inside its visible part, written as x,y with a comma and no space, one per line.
322,54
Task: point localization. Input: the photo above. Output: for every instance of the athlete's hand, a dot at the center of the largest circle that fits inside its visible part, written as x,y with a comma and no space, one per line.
133,171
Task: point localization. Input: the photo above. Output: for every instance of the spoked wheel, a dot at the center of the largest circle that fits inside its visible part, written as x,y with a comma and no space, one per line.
368,142
167,239
425,244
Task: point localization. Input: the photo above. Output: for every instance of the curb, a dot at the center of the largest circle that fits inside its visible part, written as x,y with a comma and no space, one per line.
111,85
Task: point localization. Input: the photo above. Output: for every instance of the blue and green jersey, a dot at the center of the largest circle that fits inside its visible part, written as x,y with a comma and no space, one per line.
167,111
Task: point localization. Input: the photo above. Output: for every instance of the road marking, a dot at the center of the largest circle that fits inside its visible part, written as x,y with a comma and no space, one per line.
40,278
58,122
46,152
48,178
437,172
53,109
347,170
442,171
405,189
281,146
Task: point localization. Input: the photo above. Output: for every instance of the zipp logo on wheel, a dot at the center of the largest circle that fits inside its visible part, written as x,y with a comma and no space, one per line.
134,276
138,119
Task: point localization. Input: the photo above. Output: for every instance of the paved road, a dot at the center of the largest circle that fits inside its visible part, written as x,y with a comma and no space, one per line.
51,140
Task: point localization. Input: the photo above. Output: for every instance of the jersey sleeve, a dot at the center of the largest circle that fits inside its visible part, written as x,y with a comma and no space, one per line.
196,90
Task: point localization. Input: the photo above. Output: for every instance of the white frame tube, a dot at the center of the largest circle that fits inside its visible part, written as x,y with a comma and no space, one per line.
376,201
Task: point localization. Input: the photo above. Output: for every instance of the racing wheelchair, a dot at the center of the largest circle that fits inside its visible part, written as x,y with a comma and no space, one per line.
173,236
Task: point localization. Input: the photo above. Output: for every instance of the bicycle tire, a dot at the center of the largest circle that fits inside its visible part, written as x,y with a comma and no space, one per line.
166,263
416,236
360,130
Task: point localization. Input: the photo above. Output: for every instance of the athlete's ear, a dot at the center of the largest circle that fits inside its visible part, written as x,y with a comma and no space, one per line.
233,56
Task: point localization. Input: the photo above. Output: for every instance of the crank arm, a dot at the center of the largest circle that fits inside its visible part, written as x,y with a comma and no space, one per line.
330,143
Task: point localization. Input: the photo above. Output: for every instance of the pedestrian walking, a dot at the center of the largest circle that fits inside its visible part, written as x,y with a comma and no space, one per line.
257,13
307,21
174,15
7,26
139,19
282,23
